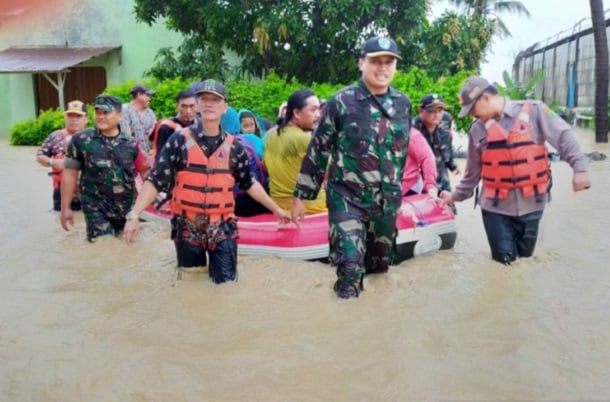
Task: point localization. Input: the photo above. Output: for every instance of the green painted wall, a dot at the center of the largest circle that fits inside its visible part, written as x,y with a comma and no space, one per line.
80,23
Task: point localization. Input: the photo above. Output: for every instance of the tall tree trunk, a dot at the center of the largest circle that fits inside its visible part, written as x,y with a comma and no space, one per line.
601,70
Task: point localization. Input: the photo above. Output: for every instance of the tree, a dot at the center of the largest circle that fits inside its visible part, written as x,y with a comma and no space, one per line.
192,59
601,70
455,43
314,41
491,10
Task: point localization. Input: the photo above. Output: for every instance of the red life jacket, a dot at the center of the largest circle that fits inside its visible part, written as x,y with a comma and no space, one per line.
154,133
513,160
205,186
57,173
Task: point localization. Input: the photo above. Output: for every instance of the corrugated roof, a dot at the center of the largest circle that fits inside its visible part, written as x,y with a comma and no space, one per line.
46,58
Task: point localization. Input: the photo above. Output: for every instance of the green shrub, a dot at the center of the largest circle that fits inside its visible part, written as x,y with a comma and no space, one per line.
163,102
261,96
34,131
416,83
265,97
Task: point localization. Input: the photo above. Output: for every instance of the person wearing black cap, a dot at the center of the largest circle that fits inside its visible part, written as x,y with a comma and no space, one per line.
434,122
199,166
364,131
108,161
53,150
507,153
138,118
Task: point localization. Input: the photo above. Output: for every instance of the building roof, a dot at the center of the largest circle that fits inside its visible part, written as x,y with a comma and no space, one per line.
47,58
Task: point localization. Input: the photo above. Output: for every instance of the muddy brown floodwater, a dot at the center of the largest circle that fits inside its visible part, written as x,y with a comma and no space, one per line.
101,322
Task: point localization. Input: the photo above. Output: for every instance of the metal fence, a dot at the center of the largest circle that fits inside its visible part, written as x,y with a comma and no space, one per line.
568,62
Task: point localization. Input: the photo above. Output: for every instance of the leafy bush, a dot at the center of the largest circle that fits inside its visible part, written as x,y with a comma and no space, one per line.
519,91
261,96
416,83
265,97
34,131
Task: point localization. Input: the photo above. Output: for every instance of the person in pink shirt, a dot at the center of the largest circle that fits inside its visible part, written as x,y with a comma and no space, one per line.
420,170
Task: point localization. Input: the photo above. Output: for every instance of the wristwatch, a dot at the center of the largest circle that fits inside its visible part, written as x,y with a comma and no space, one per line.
132,216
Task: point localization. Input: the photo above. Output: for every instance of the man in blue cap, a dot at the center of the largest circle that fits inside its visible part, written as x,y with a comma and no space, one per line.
364,131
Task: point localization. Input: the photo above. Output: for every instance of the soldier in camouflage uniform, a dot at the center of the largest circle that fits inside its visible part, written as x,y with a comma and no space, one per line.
108,161
365,132
434,122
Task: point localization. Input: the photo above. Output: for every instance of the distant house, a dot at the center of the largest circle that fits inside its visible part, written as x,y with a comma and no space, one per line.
568,62
53,51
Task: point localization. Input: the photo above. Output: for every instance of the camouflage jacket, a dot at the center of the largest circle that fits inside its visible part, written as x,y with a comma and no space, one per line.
366,138
108,168
440,141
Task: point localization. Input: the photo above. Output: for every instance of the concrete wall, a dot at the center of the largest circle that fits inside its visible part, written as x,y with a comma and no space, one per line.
75,23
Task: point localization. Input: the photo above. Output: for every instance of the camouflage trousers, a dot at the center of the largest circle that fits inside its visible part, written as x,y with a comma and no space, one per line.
100,222
193,240
359,245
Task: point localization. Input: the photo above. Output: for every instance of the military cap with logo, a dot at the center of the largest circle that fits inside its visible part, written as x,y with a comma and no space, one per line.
212,87
380,46
107,103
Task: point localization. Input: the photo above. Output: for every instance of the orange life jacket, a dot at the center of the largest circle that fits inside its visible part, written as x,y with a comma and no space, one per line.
205,186
513,160
154,134
57,173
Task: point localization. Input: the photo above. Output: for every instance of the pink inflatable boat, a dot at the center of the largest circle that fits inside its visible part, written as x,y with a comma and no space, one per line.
423,226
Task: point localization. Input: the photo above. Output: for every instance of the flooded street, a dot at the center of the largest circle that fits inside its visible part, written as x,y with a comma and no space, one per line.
102,322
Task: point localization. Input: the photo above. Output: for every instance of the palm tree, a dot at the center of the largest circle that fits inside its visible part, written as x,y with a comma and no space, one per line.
601,70
491,9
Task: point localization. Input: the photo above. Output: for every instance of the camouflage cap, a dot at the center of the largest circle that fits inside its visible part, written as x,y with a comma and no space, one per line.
212,87
431,102
196,87
470,93
107,103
